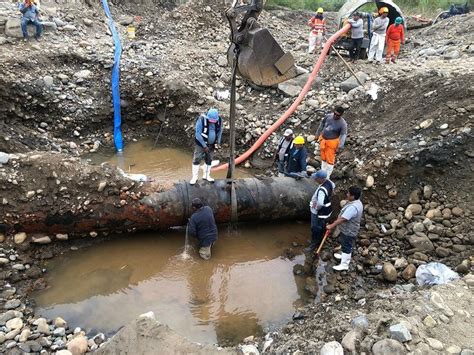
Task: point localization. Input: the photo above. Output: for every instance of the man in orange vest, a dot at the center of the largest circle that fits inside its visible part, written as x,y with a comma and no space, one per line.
318,30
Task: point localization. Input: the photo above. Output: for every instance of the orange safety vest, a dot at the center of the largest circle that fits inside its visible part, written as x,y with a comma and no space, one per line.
317,25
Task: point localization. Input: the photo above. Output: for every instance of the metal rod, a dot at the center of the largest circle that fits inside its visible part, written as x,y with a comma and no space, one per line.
347,65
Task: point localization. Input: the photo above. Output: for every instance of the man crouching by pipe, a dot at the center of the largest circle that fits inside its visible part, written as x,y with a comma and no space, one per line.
202,226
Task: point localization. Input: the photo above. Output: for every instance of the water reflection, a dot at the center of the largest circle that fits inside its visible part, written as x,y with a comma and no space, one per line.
160,163
246,287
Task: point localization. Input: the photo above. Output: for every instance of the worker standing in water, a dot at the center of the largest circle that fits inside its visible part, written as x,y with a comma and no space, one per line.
321,208
377,43
208,136
202,225
297,159
395,37
282,153
332,134
318,30
349,225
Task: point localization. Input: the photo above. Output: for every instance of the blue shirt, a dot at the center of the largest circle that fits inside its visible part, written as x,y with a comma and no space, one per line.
213,136
202,225
29,12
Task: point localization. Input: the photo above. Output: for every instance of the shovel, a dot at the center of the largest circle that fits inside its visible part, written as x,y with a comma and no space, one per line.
326,235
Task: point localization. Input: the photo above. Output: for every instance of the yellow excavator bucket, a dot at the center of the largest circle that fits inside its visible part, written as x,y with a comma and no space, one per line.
261,60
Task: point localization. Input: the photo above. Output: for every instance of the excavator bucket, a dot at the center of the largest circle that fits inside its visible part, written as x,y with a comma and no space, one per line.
261,59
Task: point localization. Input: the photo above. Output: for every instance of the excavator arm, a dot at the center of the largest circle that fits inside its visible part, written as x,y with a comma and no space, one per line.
260,59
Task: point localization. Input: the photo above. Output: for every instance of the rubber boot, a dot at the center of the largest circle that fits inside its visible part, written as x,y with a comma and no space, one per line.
394,60
345,261
338,256
329,169
324,166
195,175
207,175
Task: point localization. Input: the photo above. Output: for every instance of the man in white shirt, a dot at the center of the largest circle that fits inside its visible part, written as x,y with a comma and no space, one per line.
348,221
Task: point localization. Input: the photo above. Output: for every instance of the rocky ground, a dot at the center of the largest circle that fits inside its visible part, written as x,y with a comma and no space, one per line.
412,149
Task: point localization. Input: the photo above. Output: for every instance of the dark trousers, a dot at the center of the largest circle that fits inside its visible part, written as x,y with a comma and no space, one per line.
200,154
24,27
318,228
354,51
347,243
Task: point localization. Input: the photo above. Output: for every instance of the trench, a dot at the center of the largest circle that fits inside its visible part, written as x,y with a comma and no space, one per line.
247,288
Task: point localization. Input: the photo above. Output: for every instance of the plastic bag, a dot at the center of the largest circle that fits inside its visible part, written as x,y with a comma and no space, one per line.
435,274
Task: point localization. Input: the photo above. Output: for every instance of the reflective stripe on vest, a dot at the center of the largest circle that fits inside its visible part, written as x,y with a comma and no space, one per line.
326,211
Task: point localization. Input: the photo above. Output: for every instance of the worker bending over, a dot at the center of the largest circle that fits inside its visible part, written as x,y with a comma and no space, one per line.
321,208
349,225
318,30
297,159
208,136
202,225
377,43
395,36
332,133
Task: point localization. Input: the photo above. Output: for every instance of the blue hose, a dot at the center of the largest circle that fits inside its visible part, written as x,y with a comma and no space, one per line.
118,139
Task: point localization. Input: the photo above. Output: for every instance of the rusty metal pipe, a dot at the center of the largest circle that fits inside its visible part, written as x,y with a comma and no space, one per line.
257,200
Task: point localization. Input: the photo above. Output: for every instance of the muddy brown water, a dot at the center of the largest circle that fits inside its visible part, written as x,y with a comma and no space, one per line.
247,287
159,163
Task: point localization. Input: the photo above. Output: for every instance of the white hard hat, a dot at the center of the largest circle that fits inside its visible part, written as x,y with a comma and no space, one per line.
288,132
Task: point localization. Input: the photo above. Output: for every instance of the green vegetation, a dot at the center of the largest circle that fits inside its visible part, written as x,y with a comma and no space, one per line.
427,7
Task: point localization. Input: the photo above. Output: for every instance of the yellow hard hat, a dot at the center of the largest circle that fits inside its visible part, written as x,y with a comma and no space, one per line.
383,10
320,10
298,140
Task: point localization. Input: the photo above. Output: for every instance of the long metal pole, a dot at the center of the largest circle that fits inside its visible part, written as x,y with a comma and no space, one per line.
347,65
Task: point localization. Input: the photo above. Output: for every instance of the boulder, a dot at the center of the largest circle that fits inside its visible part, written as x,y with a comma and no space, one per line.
19,237
389,272
409,272
78,345
415,208
351,340
421,242
13,28
352,83
332,348
293,86
388,347
4,158
400,332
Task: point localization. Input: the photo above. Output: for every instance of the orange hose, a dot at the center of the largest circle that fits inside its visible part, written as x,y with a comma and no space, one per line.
295,104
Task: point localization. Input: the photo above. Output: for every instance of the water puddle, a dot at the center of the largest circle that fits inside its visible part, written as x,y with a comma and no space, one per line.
247,287
160,163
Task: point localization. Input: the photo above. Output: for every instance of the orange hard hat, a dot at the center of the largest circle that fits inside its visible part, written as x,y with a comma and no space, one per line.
383,10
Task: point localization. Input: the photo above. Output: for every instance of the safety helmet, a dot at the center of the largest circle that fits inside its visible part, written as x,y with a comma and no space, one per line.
383,10
398,20
213,115
298,140
320,10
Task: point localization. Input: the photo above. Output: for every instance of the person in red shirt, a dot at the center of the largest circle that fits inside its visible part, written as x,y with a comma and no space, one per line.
318,30
395,37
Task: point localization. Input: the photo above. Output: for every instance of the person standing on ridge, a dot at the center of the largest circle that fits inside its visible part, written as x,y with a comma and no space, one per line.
208,136
318,30
357,35
202,225
332,134
395,37
282,153
348,221
377,43
321,208
297,159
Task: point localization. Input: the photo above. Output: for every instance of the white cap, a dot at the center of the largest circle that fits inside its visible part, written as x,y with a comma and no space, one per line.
288,132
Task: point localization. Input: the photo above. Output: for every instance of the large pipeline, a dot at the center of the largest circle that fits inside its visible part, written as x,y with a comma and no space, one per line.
257,200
